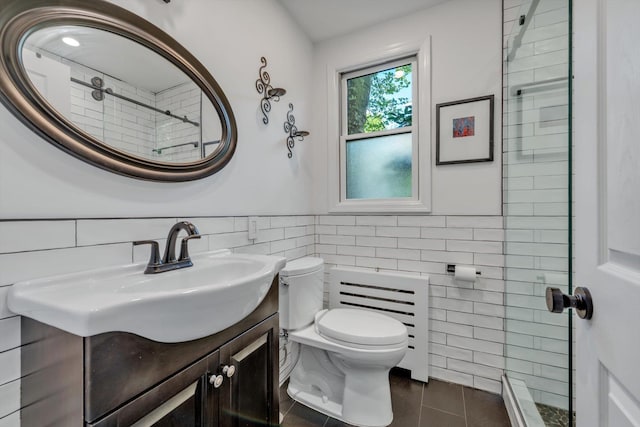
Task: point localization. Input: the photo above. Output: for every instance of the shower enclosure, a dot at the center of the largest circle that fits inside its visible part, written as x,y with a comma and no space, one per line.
537,207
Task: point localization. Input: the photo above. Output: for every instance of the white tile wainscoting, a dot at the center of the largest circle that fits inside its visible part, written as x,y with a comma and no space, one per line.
30,249
467,320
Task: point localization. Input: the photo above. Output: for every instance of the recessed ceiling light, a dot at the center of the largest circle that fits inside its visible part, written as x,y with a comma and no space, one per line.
71,41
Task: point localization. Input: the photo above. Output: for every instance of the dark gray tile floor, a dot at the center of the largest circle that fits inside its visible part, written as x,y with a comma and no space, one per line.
436,404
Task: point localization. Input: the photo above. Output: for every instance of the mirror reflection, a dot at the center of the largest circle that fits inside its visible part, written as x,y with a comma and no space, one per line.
121,93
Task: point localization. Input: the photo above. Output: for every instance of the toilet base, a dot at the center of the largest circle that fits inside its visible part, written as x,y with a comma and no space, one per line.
316,402
327,407
356,395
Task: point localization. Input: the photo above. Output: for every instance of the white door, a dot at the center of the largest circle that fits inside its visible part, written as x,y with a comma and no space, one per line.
51,78
607,167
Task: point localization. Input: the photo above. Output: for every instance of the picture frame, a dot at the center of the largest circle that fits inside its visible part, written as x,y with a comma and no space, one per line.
464,131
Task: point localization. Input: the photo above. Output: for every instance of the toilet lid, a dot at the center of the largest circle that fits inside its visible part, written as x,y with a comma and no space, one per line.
302,266
361,327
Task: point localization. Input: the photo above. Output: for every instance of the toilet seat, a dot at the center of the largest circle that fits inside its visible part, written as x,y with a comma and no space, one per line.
310,336
360,328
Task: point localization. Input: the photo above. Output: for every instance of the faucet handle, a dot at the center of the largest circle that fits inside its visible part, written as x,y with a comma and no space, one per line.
154,259
184,246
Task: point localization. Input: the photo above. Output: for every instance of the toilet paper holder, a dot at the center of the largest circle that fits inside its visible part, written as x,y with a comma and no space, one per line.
451,268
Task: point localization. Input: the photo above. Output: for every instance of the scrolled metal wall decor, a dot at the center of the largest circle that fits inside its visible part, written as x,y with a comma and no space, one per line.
291,128
268,92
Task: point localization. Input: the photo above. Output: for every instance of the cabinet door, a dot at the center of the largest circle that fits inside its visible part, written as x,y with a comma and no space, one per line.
186,399
249,397
183,409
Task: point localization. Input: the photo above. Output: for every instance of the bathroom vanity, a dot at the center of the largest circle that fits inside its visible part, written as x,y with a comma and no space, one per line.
122,379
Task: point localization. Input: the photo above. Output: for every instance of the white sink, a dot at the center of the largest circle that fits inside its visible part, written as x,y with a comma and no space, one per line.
180,305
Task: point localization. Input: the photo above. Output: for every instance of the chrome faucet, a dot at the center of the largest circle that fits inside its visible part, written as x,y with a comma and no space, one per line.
169,261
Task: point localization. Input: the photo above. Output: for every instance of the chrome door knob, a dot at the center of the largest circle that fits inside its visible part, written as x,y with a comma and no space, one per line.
228,370
580,301
216,380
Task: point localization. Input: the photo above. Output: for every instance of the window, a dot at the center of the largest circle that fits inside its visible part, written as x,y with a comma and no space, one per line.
379,130
378,141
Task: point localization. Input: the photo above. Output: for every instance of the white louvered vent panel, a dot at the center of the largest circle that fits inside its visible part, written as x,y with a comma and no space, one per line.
402,297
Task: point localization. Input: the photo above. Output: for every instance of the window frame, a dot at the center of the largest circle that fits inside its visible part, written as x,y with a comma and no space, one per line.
382,57
345,137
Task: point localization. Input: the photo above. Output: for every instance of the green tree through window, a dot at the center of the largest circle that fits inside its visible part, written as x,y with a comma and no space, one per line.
377,101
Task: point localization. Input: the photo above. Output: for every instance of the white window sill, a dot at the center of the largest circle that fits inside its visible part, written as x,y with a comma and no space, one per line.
374,207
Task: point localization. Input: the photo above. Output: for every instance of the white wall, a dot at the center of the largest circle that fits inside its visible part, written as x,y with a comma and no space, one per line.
38,180
467,320
466,62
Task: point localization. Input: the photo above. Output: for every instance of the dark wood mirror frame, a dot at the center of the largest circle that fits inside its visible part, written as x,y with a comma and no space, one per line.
19,18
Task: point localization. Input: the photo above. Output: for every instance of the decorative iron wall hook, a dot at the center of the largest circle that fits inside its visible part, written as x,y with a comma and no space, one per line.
268,92
292,130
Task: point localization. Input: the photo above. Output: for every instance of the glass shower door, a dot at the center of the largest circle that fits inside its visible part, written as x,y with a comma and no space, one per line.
537,207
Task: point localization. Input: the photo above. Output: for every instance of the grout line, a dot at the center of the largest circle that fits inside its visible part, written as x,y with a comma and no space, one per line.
10,413
284,414
464,406
421,400
443,411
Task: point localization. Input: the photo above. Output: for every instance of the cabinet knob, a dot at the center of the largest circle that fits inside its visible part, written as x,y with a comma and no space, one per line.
216,380
228,370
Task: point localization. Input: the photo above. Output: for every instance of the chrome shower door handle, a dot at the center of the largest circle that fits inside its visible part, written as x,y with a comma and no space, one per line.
580,301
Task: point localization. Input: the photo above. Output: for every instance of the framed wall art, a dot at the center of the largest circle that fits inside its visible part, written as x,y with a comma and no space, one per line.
464,131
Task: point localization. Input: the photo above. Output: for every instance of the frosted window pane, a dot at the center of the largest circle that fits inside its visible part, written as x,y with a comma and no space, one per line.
379,168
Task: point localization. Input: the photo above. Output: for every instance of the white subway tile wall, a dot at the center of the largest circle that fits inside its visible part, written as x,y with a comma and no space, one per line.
536,198
127,125
133,128
32,249
467,319
122,124
183,100
467,333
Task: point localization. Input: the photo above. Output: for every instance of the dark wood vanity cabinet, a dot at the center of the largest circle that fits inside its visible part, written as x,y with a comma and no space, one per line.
249,397
184,400
190,398
118,379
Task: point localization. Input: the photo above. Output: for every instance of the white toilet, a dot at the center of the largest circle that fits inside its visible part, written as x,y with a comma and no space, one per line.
345,354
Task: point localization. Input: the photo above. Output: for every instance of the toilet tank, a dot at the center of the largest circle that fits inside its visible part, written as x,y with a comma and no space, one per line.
301,291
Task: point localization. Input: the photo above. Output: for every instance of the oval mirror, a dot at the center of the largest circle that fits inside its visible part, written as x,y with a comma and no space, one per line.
112,89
